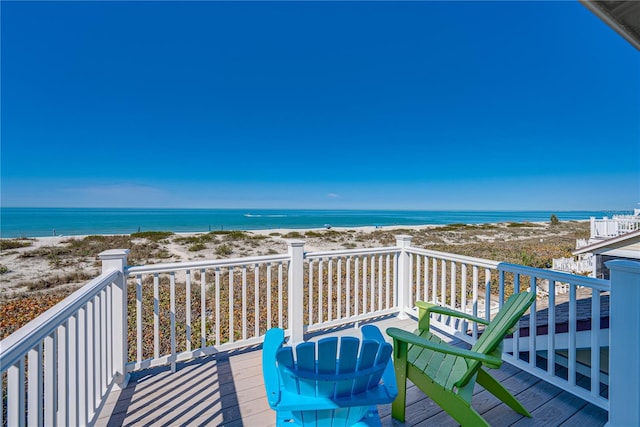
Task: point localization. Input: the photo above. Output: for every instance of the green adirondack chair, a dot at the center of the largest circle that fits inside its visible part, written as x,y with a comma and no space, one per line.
447,374
340,386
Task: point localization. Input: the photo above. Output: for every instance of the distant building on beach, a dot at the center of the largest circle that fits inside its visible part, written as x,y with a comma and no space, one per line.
617,237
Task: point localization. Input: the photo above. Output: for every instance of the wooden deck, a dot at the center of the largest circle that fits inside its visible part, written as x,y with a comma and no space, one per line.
227,389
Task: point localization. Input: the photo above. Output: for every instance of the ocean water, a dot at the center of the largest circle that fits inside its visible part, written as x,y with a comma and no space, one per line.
39,222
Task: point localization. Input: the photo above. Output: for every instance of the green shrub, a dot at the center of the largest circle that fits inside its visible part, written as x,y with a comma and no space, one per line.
293,235
3,269
224,250
554,219
14,243
197,247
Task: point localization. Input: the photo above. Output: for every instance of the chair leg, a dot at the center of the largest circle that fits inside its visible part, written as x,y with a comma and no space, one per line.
400,365
494,387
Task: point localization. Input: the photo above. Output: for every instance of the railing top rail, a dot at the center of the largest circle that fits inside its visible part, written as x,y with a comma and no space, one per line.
194,265
558,276
24,339
480,262
351,252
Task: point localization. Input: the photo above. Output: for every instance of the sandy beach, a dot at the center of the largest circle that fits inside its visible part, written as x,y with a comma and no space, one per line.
76,256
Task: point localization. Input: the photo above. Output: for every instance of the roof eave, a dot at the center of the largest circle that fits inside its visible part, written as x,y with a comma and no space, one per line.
612,22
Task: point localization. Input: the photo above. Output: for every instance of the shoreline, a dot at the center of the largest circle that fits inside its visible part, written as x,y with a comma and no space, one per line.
283,230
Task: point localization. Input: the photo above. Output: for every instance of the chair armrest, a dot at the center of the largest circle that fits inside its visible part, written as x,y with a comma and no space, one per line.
432,308
411,338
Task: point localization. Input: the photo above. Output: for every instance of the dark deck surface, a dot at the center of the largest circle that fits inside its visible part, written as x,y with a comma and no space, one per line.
227,389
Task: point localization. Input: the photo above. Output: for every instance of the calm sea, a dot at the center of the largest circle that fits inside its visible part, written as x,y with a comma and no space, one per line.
38,222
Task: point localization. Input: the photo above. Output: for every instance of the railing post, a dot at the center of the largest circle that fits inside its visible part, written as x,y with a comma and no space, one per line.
296,291
404,277
624,344
116,259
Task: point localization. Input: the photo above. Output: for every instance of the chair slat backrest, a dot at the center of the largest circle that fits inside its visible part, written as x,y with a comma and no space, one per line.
493,335
348,360
354,371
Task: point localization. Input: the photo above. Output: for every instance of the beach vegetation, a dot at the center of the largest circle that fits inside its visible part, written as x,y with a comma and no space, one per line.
293,235
224,250
56,280
275,234
520,225
155,236
198,246
196,239
15,243
554,220
3,269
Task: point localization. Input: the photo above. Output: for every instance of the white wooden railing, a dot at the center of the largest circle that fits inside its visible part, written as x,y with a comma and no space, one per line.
611,227
82,347
585,264
61,366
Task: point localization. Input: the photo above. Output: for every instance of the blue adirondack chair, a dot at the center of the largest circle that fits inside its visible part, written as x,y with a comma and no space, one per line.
340,386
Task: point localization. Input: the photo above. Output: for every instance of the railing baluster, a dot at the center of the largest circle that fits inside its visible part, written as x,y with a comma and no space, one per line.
330,290
348,287
551,333
156,316
434,280
103,344
139,317
50,377
463,292
35,386
82,366
203,308
91,369
474,301
311,296
231,304
97,374
380,282
256,299
321,304
72,372
172,316
418,276
372,284
572,334
268,296
532,323
217,280
244,302
364,283
339,285
280,296
63,369
454,290
187,309
487,294
356,286
595,342
387,280
15,395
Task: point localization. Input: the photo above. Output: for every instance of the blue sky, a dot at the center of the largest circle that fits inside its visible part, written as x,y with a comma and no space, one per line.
330,105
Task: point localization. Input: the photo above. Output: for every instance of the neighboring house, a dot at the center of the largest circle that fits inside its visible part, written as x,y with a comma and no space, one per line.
603,230
625,246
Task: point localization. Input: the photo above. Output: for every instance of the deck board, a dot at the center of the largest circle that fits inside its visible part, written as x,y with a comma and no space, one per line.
227,389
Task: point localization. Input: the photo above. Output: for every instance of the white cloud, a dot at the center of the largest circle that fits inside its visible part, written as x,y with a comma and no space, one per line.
333,196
